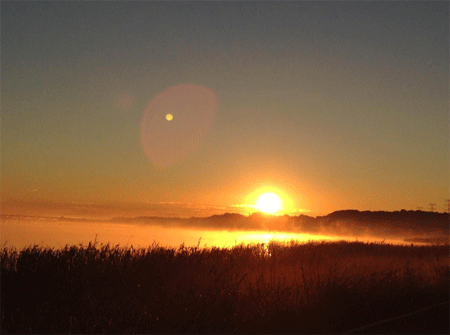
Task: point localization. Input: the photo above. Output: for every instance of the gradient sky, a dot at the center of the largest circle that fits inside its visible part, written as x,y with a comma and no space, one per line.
334,105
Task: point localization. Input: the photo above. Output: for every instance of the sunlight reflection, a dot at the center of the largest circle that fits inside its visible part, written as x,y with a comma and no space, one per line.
264,237
59,233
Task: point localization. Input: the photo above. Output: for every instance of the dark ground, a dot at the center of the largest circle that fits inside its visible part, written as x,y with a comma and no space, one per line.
434,320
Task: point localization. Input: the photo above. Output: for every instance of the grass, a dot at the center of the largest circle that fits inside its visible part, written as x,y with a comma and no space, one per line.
316,287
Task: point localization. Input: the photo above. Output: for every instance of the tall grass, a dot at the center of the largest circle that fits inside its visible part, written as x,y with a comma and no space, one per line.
326,287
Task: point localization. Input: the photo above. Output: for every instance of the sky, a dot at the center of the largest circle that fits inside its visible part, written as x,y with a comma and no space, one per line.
330,105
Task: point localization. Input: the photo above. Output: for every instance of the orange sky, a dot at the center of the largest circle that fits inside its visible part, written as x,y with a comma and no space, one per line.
333,105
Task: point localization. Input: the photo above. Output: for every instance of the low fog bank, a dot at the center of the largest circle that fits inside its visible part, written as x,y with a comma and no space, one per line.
409,226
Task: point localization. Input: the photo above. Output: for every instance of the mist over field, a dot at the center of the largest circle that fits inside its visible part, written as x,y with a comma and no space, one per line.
230,229
408,225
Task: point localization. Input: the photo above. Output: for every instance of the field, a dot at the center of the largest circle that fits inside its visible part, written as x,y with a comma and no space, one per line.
315,287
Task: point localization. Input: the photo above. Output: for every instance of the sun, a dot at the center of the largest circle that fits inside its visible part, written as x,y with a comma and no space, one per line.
269,203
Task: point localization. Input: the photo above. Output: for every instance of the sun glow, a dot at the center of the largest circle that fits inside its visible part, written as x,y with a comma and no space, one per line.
270,199
269,203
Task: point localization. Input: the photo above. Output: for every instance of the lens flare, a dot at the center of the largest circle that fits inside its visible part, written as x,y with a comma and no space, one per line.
167,143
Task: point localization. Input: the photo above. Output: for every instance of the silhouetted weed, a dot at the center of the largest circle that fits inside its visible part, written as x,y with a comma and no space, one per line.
316,287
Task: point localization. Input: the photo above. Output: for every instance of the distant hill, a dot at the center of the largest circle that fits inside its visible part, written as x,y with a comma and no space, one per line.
381,223
411,226
418,226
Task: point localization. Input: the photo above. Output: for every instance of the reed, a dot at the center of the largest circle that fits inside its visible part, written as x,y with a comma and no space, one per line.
314,287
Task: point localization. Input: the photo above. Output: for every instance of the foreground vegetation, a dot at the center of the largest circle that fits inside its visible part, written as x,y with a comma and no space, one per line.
327,287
